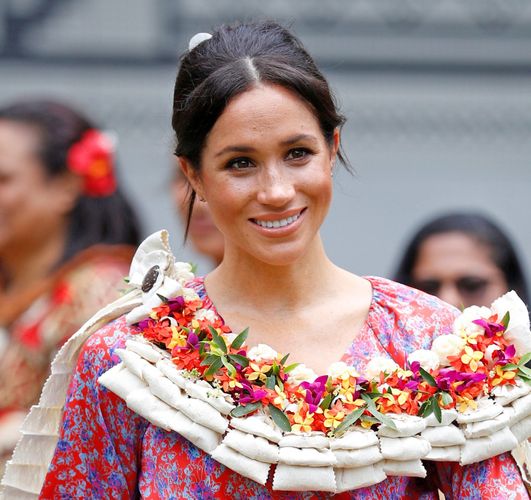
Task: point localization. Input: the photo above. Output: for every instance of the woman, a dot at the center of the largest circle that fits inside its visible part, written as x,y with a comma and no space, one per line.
203,233
464,259
257,137
66,238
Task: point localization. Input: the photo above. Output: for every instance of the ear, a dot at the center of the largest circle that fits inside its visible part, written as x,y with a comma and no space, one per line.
336,141
66,190
192,175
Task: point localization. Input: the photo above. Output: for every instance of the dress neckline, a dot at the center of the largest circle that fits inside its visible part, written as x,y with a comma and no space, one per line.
198,284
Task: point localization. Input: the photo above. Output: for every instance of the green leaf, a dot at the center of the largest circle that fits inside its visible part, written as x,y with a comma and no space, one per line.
349,420
276,369
214,367
239,359
279,417
241,411
506,319
371,407
325,403
228,366
524,370
162,298
291,367
427,377
240,339
426,409
509,366
127,280
436,409
194,267
271,382
209,359
525,359
446,398
218,339
284,359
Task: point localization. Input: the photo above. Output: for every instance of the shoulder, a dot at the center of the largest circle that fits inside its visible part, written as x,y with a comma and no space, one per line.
99,262
407,318
409,302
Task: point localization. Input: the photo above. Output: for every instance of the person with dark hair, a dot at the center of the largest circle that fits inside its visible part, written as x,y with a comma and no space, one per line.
192,411
464,259
205,237
67,235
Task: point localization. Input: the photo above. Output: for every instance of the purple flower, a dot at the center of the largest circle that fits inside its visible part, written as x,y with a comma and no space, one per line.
504,357
490,328
249,394
314,391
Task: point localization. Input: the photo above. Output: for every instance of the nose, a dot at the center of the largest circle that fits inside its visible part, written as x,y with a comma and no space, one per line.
450,294
276,186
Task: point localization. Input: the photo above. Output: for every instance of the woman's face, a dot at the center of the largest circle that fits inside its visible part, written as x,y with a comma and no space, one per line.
266,175
30,202
205,236
459,270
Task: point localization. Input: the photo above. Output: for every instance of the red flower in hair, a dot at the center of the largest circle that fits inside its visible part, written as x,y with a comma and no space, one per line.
92,158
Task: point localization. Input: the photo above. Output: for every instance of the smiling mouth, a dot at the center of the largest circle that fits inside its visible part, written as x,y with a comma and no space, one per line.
274,224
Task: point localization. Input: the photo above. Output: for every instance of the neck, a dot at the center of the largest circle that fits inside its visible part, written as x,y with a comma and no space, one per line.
24,266
250,283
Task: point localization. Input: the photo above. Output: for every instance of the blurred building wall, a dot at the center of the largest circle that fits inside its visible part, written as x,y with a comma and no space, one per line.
437,94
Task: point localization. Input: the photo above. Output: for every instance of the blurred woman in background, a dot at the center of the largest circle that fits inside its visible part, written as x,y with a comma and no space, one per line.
67,235
206,238
464,259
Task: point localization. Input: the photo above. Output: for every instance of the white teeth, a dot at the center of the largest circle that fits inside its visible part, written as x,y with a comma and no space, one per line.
277,223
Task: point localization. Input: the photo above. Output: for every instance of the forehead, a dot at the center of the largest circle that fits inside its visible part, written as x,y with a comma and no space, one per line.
264,112
454,253
18,141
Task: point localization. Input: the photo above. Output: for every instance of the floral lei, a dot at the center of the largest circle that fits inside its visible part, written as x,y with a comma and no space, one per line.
472,363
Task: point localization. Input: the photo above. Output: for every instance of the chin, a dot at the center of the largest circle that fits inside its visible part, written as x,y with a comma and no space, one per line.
281,256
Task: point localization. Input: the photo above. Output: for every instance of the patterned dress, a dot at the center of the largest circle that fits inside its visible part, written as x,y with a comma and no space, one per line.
106,451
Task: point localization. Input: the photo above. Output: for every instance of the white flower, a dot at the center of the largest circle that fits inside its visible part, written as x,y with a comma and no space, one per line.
428,360
301,373
517,332
378,365
183,271
489,351
335,370
447,345
339,369
463,324
189,294
206,314
262,352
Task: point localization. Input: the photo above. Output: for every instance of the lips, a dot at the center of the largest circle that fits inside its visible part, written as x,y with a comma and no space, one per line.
276,222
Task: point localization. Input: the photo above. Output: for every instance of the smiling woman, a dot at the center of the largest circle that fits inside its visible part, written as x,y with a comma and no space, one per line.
258,135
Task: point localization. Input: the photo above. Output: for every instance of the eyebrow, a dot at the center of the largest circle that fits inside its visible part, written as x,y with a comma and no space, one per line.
249,149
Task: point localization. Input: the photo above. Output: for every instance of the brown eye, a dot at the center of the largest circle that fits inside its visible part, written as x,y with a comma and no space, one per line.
297,154
429,286
240,164
471,285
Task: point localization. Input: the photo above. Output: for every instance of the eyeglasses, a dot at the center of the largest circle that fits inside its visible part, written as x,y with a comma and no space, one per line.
467,286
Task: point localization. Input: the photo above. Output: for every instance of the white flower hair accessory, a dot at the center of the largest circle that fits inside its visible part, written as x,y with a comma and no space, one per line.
197,39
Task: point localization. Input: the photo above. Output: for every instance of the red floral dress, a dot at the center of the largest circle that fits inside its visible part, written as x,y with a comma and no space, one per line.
107,451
